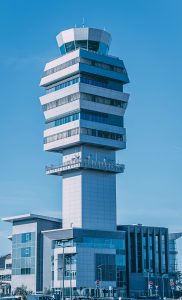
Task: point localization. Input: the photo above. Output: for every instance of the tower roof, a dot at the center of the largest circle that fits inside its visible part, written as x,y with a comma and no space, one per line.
97,40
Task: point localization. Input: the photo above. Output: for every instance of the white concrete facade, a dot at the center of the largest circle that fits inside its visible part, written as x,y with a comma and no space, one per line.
28,251
6,275
28,280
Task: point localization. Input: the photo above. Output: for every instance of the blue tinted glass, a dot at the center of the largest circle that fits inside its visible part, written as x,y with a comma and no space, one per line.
62,85
103,48
90,116
103,243
26,237
25,271
93,46
26,252
63,120
102,118
70,46
62,50
23,257
81,44
84,80
121,260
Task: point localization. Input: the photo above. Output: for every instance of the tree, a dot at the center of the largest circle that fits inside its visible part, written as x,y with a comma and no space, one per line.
176,277
47,291
178,280
22,291
1,289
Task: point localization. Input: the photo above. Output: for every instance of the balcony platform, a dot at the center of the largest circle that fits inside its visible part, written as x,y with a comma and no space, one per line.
85,164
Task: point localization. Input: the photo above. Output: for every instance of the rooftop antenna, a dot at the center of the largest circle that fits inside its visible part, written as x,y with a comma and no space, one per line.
83,22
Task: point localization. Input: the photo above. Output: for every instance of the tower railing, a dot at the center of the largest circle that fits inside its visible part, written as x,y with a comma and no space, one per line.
85,164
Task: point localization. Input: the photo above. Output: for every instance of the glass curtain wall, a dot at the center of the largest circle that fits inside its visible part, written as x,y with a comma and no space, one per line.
23,248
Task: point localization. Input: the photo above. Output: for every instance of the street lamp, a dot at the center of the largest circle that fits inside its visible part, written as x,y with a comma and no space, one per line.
148,279
70,278
162,279
148,275
99,267
63,268
63,246
70,272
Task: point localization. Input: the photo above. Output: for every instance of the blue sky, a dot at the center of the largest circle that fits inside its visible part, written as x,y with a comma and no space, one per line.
147,36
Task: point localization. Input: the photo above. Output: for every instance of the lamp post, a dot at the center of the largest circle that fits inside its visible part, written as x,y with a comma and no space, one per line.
62,245
70,276
63,268
162,286
148,275
162,280
70,279
148,280
99,267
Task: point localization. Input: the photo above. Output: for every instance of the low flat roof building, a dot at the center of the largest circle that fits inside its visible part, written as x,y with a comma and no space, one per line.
5,274
173,252
27,249
147,257
90,256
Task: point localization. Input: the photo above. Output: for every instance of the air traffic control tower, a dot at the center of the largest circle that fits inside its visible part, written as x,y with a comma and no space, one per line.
84,106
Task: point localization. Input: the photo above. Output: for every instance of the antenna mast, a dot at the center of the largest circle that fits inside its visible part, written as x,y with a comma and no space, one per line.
83,22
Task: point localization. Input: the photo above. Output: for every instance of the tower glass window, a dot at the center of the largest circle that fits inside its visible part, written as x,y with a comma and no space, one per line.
90,45
89,116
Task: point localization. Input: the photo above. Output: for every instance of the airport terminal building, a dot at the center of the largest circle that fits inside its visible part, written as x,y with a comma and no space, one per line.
102,263
86,253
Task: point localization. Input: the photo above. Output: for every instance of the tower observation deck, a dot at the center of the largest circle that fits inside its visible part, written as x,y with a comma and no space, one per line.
84,106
